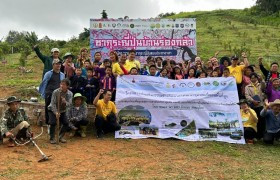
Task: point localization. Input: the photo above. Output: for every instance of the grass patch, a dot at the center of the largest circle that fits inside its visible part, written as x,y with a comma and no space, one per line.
11,173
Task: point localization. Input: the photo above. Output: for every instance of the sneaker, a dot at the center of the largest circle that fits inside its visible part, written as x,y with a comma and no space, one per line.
250,141
62,140
52,141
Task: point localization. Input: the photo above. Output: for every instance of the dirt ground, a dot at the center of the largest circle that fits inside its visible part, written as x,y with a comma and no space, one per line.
109,158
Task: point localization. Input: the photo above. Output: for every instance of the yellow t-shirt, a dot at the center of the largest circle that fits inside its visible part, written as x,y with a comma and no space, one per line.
104,110
130,64
248,120
117,69
237,73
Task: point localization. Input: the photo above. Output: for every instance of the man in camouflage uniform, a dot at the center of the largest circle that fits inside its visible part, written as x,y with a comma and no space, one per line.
14,122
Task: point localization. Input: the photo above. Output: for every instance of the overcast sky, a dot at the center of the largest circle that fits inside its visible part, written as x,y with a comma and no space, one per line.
62,19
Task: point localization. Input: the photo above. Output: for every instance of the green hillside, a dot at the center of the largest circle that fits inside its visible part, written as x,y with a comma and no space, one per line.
231,31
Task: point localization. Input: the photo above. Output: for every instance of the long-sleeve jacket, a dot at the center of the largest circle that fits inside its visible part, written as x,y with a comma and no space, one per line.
47,60
252,90
272,121
44,83
77,114
267,74
54,101
10,120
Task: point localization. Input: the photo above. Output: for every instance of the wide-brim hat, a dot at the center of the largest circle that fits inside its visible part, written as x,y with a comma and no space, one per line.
12,99
79,95
276,102
68,54
243,101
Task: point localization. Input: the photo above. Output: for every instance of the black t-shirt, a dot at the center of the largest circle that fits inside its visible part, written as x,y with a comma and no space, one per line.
53,83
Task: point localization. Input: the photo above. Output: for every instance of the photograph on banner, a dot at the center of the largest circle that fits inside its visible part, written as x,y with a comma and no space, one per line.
167,38
192,110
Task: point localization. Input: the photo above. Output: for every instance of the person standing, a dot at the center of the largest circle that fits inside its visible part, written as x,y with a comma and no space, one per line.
60,102
47,60
237,71
131,61
272,74
51,81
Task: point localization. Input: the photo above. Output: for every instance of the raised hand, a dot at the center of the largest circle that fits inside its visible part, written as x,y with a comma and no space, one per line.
260,59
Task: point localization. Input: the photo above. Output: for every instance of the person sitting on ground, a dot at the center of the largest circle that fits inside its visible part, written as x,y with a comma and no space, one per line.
77,115
69,66
106,114
271,113
61,100
273,90
250,120
47,60
14,123
78,83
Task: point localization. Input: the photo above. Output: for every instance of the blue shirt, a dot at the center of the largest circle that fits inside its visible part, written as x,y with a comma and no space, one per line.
44,83
272,121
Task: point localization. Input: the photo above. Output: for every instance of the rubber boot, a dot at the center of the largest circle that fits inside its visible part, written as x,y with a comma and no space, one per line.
61,135
52,134
83,131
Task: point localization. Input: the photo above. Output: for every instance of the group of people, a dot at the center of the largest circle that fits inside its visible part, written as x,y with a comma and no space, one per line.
88,80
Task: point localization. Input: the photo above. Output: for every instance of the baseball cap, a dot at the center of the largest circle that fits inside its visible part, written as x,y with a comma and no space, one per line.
54,49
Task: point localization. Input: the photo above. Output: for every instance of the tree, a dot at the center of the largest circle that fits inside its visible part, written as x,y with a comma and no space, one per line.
104,15
84,35
268,6
31,38
14,36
